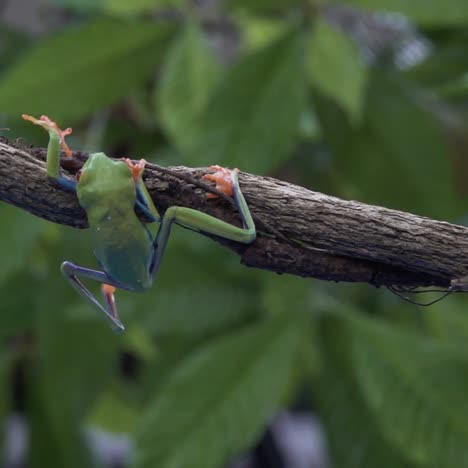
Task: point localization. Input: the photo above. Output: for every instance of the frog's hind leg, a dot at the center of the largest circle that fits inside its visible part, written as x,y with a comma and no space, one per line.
227,181
108,286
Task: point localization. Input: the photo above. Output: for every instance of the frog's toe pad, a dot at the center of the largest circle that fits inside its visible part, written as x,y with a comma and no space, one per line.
136,168
223,178
50,125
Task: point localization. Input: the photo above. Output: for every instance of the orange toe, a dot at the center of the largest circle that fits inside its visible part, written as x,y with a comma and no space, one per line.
223,179
136,168
107,289
48,124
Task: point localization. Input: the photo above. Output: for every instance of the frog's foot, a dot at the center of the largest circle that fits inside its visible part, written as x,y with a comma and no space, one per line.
49,125
136,168
108,294
223,178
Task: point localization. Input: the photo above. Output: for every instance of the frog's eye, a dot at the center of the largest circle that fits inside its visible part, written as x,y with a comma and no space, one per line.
78,175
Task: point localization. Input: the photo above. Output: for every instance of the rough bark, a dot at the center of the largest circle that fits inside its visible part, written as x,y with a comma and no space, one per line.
302,232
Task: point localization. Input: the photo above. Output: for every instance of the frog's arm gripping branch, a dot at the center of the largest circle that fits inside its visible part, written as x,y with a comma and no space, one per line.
315,235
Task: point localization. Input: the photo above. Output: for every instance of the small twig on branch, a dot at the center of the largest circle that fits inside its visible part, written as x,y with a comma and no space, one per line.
302,232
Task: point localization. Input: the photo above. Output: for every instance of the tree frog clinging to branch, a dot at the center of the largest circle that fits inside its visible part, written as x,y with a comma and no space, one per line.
127,252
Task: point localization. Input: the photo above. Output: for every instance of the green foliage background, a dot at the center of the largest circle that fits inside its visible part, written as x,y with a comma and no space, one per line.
217,348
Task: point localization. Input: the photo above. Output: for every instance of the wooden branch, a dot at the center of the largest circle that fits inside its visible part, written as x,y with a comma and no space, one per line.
316,235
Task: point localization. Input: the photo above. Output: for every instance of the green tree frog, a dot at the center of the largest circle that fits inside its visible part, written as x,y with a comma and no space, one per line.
126,250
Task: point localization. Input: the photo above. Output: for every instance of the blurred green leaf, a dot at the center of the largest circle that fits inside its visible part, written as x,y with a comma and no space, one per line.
75,360
189,74
194,309
17,308
80,70
282,294
79,5
138,340
456,88
19,232
49,446
12,43
235,385
124,7
354,437
37,286
430,13
252,118
259,5
112,413
336,67
75,353
259,31
286,294
119,7
446,63
399,157
397,373
6,362
448,319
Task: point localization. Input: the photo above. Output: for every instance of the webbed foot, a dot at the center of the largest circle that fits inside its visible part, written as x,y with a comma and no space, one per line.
108,294
136,168
224,179
50,125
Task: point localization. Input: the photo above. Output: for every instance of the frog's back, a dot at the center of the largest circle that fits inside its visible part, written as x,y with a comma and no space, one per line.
124,249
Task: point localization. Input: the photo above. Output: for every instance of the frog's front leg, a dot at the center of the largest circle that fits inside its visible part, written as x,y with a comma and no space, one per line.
56,142
143,199
108,286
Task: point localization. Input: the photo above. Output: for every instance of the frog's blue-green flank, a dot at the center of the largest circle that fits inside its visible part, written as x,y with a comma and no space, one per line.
128,253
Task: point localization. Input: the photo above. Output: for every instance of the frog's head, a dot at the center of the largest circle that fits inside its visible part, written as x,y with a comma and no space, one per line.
104,181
